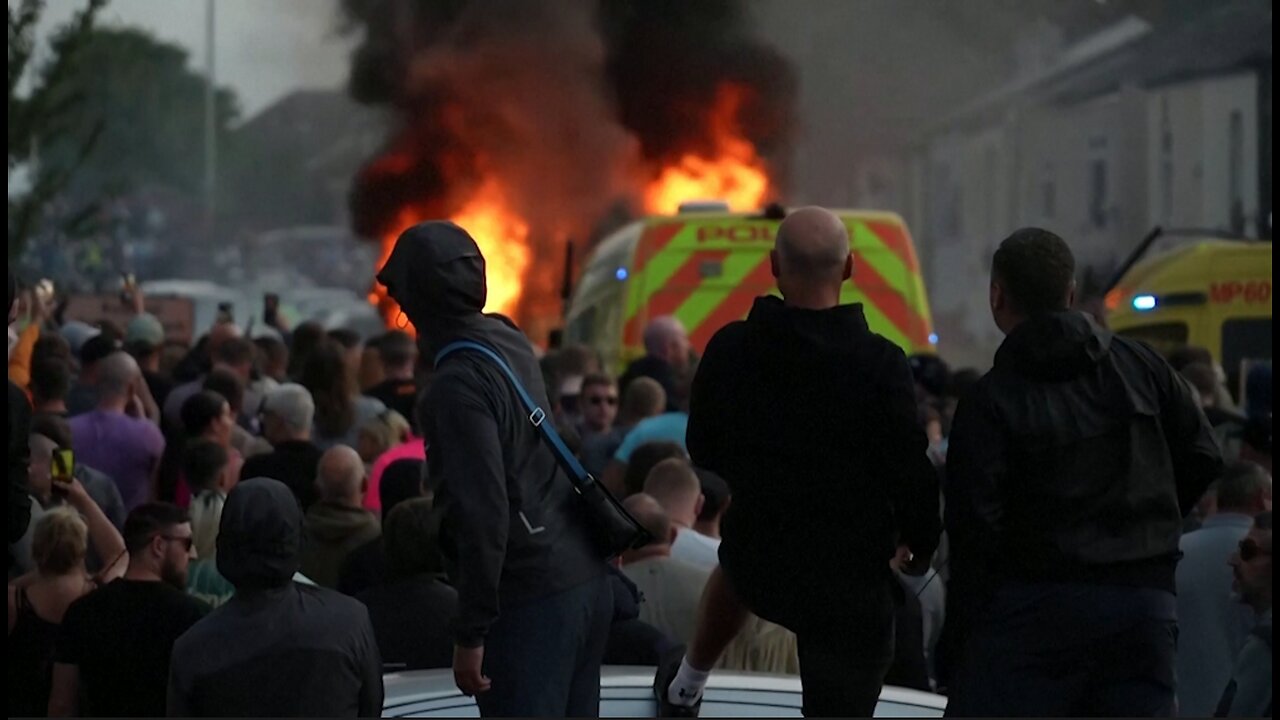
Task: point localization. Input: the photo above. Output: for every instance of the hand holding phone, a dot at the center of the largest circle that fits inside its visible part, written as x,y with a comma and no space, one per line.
62,470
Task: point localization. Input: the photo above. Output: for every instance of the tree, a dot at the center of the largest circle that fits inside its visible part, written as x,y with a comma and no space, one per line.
114,111
153,107
51,109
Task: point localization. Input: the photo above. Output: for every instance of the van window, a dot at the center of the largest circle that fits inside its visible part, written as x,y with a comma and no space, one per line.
1245,339
1164,337
582,329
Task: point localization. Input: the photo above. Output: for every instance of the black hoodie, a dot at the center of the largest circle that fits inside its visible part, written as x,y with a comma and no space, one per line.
277,648
1075,459
811,420
512,529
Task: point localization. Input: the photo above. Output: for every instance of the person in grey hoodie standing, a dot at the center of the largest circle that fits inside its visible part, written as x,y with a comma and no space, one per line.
277,648
534,603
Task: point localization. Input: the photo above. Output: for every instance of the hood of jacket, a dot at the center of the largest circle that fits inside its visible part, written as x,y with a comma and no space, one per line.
1054,347
333,523
436,274
260,535
791,331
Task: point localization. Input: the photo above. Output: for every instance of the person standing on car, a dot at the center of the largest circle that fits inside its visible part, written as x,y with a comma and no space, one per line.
811,420
1071,466
534,603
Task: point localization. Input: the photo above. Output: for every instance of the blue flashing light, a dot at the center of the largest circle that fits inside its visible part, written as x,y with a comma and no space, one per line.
933,338
1143,303
620,273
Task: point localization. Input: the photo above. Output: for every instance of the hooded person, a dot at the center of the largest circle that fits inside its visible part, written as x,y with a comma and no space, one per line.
512,532
314,646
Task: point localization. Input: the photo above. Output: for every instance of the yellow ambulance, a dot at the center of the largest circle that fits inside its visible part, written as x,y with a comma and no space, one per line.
1209,292
706,265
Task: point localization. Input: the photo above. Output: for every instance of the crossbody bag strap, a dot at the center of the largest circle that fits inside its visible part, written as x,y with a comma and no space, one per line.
536,415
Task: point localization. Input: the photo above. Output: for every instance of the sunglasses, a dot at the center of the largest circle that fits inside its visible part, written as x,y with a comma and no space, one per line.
603,400
1250,549
187,542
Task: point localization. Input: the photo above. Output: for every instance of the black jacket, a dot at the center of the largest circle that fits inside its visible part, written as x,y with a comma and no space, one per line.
811,420
1074,459
512,529
658,370
18,429
294,463
277,648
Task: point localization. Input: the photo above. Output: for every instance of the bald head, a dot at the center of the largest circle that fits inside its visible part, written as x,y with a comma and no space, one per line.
675,486
649,513
811,254
117,374
340,476
666,338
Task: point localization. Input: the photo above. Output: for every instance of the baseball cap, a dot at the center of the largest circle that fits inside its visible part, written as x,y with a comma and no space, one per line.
77,333
144,329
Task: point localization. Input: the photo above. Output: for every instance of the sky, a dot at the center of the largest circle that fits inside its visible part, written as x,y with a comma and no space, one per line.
264,49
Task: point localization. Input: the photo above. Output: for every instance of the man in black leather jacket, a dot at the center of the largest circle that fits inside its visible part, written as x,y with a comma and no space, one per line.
1071,465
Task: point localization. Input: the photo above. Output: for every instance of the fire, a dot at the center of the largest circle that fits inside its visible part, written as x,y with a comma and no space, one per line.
726,167
503,238
735,175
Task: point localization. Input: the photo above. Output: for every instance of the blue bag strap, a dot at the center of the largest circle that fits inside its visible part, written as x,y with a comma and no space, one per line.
537,416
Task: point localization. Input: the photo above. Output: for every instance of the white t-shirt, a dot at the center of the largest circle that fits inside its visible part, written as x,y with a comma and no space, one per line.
696,549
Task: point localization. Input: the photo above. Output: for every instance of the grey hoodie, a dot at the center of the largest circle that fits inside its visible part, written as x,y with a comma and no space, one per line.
512,530
277,648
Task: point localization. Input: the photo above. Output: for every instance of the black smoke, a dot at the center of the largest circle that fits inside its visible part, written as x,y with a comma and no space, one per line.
662,62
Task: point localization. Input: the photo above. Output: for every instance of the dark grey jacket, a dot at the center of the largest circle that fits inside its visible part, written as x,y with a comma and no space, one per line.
512,529
277,648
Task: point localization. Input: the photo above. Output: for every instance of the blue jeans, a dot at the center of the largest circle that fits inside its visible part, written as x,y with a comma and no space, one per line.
544,657
1070,649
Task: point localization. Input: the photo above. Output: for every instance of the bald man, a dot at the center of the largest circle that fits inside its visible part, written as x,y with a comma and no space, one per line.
666,359
811,420
338,523
113,438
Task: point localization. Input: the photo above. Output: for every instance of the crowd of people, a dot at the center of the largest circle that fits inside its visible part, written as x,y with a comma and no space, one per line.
318,508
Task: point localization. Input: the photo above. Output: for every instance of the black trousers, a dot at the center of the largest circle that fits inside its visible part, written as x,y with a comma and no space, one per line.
845,639
544,657
1068,649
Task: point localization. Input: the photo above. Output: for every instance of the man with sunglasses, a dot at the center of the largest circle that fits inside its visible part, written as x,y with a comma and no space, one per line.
597,405
114,644
1071,466
1248,694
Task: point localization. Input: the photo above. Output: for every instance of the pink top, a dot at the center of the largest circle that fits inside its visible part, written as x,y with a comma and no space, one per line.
411,449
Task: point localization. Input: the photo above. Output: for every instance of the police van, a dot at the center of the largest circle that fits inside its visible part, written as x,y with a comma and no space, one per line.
706,265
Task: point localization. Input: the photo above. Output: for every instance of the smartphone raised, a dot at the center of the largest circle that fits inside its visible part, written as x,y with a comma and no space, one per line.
62,468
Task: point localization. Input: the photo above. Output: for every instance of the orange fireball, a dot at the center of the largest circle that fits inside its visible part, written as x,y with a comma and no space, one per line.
734,173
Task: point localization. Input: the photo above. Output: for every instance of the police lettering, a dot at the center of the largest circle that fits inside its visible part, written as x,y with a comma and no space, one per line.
736,233
1252,292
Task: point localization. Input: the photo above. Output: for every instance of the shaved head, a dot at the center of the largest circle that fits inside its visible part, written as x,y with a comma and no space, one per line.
220,333
675,486
340,476
649,513
812,242
117,373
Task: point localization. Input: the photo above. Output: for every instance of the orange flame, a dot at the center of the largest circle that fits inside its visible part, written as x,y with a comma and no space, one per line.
731,171
503,238
735,175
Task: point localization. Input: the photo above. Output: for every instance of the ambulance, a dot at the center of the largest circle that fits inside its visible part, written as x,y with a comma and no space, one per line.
706,265
1204,291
